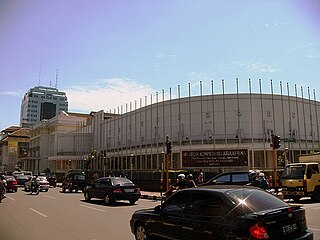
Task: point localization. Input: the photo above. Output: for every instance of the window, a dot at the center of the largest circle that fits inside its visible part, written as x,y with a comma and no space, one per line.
176,204
240,177
206,205
224,178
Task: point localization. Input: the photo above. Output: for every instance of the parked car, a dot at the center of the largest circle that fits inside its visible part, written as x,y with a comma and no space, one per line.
12,185
43,182
231,178
111,189
74,181
222,212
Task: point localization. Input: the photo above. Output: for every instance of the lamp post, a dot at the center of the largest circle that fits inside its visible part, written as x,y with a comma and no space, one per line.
131,165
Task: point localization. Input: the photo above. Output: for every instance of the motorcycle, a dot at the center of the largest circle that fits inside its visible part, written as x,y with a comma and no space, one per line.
35,189
2,196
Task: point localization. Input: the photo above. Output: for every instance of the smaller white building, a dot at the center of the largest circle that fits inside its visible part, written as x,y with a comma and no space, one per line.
59,143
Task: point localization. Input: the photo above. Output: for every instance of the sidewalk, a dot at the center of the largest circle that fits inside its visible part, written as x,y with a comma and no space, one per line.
151,195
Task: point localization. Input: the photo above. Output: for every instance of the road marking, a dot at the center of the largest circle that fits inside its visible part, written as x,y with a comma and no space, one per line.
10,198
92,208
314,229
49,196
41,214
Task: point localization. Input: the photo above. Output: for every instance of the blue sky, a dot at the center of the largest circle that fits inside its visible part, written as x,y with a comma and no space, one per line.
109,53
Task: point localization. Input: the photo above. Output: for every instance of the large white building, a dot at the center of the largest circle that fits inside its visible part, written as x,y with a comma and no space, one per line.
41,103
217,131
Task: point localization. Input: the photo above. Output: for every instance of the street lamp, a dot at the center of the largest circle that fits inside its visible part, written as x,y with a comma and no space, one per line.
131,165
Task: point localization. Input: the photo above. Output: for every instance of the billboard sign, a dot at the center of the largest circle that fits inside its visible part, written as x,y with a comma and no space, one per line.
215,158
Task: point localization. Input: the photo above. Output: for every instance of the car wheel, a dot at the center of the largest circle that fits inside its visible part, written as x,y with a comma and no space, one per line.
107,199
296,198
316,194
87,197
141,233
132,201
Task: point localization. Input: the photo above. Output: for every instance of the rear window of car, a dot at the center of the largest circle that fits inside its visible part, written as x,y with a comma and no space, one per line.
121,181
240,177
255,200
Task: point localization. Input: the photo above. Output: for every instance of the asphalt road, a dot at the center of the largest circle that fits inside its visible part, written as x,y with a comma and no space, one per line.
65,216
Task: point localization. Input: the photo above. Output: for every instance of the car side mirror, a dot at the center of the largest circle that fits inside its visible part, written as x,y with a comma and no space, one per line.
157,208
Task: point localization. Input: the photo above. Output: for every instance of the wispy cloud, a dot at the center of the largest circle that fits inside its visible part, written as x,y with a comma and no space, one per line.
256,67
12,93
166,58
309,50
106,94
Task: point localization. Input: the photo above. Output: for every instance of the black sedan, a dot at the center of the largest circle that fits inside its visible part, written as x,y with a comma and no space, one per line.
111,189
222,212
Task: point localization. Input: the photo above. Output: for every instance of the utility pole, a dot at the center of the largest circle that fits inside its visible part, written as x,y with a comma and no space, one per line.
168,158
275,145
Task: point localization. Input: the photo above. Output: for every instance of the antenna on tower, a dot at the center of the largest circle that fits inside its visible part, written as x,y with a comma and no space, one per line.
56,85
39,76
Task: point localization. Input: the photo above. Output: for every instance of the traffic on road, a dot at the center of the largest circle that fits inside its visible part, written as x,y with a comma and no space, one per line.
211,211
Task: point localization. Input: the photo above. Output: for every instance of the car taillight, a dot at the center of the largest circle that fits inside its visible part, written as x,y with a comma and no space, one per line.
117,190
138,190
14,183
258,231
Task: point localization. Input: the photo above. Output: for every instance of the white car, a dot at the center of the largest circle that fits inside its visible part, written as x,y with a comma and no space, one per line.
43,182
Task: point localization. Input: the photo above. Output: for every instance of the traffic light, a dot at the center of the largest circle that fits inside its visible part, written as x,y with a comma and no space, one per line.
169,147
276,141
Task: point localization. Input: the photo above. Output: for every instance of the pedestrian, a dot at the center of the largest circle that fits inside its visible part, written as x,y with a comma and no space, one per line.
200,177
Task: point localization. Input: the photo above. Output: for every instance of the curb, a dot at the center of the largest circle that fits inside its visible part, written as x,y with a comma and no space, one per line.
150,197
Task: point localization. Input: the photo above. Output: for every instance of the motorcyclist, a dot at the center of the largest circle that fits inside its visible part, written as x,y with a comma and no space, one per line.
3,184
180,184
34,182
191,183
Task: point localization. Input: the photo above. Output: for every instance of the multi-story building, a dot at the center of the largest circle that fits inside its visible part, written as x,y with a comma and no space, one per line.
41,103
55,143
14,147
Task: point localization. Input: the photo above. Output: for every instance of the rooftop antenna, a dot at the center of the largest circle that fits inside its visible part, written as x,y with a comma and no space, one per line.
56,85
39,76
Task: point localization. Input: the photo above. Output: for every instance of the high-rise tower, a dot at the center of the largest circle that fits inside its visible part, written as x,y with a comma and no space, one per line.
41,103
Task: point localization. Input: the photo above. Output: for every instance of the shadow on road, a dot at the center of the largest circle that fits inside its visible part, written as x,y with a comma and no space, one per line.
113,204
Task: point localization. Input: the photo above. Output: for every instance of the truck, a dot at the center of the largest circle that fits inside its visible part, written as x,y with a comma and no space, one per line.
302,179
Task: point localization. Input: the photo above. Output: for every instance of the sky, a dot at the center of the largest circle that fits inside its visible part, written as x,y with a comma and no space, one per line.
107,53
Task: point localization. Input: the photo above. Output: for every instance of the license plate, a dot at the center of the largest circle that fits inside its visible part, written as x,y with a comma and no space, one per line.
289,228
129,190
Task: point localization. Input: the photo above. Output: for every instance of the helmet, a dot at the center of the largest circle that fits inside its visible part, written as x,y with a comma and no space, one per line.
181,175
190,176
2,177
261,174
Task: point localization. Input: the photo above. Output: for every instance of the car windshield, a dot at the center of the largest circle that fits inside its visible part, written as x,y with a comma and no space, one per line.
254,200
294,171
10,178
121,182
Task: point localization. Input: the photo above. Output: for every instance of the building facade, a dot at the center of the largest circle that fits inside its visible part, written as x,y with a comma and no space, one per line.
55,143
214,132
14,148
41,103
